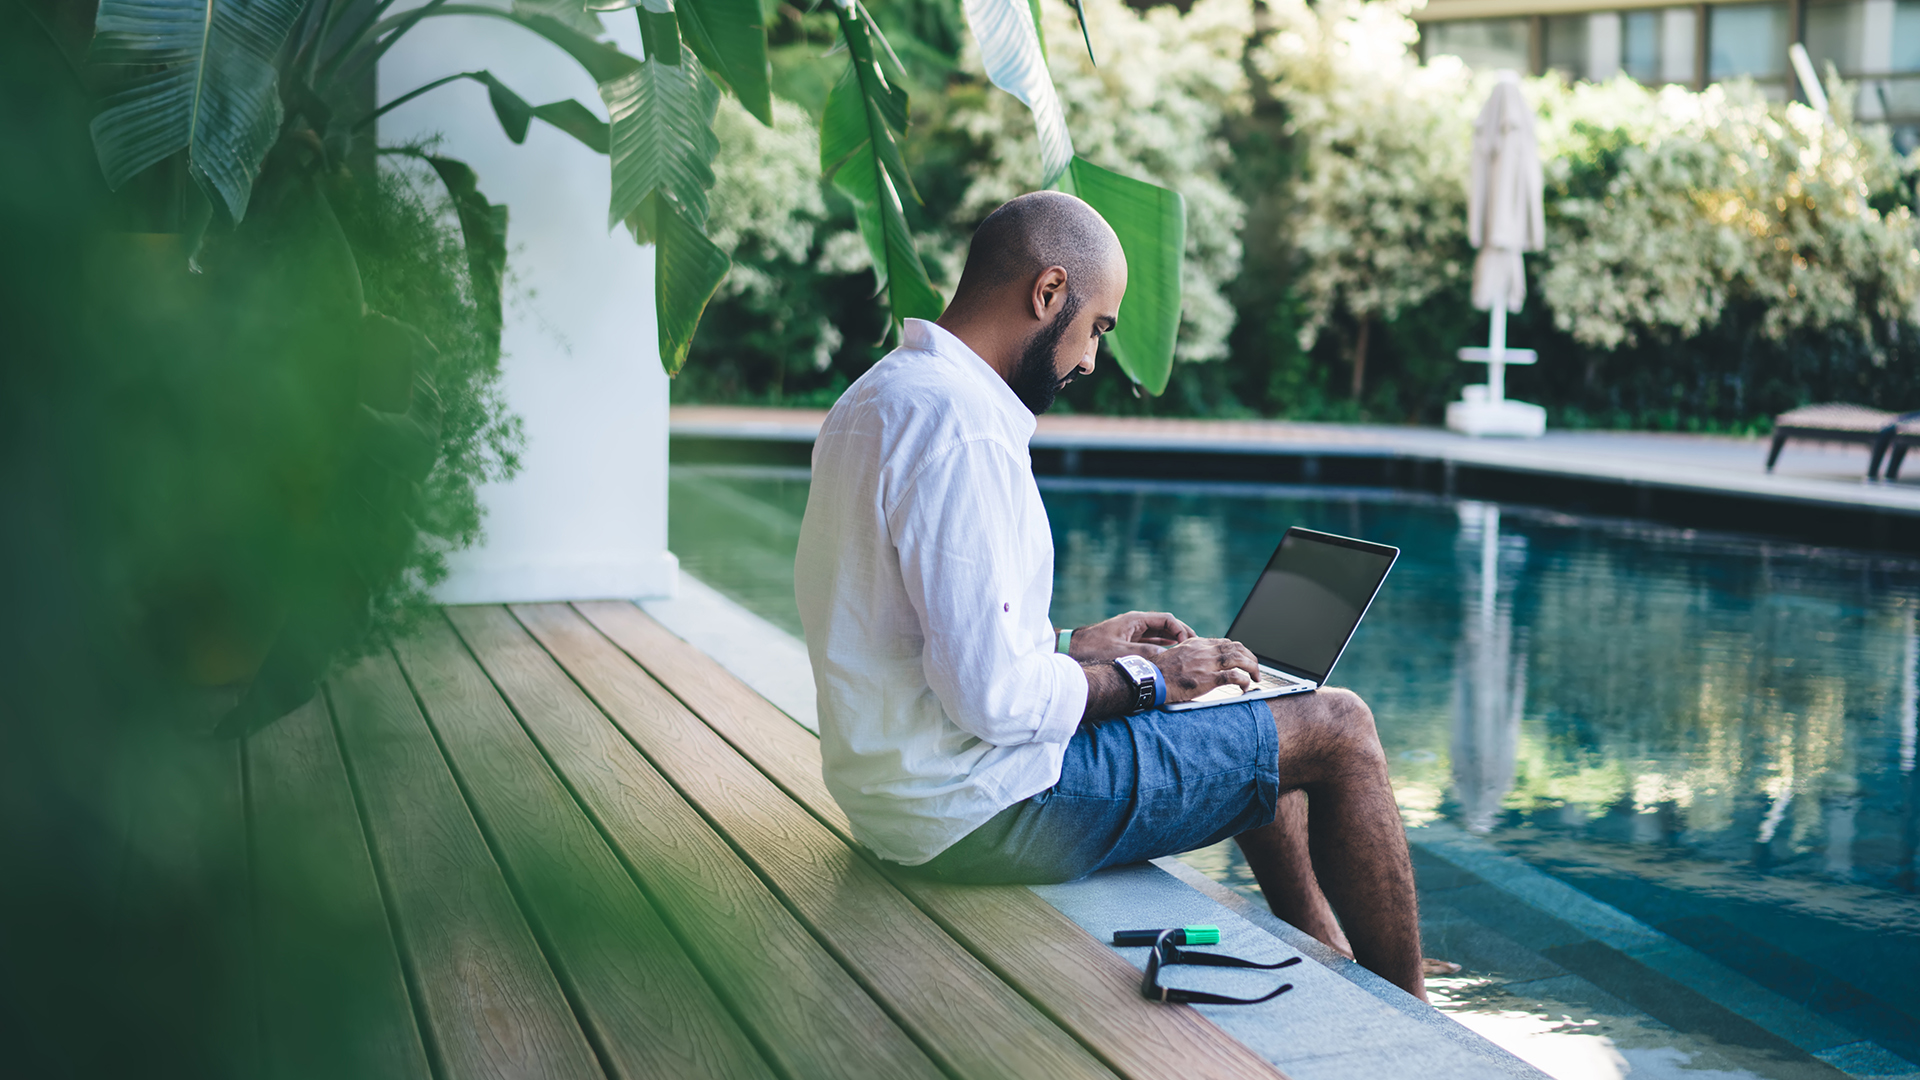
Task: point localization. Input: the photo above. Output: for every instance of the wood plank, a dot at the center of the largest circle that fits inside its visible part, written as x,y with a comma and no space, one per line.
333,996
487,999
808,1016
972,1022
1070,975
646,1006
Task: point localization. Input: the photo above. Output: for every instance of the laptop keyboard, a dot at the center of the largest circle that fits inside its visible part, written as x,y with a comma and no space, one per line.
1267,682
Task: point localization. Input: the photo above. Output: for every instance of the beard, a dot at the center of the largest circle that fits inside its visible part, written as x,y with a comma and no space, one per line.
1034,381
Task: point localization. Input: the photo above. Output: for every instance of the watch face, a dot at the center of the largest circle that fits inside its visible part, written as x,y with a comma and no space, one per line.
1143,675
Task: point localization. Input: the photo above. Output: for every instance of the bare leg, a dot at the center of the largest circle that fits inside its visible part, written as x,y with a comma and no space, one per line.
1277,855
1330,751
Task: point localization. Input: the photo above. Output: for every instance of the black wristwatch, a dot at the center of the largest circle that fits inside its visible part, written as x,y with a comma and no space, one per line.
1149,690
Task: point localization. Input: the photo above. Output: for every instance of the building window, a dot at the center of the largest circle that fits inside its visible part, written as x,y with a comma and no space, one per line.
1835,33
1566,45
1747,40
1906,36
1640,45
1657,46
1480,43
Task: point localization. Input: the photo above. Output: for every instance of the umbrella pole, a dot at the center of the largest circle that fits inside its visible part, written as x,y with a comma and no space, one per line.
1497,354
1496,346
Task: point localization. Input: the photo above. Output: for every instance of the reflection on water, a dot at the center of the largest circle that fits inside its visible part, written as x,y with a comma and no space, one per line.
1750,701
1713,733
1490,674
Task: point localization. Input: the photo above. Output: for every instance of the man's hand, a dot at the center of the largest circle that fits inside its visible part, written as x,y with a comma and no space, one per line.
1201,664
1190,669
1137,633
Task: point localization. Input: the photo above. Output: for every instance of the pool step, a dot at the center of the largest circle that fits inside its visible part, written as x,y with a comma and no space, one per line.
1635,962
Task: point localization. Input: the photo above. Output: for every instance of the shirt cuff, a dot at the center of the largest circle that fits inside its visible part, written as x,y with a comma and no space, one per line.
1067,704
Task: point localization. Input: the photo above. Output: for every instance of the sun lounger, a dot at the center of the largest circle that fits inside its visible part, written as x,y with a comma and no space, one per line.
1884,432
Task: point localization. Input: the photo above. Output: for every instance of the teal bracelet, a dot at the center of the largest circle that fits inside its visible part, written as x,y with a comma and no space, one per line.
1063,641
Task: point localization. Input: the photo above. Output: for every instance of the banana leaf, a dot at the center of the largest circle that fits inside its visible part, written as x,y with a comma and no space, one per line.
730,37
662,136
859,151
601,60
1010,49
483,228
573,13
207,85
512,110
687,271
1151,222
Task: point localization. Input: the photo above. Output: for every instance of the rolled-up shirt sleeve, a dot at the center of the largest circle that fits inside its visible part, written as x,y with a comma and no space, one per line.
971,532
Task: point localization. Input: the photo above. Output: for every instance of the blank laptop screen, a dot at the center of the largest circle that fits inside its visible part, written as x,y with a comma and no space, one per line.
1307,603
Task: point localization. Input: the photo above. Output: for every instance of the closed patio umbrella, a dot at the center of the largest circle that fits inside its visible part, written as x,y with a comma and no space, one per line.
1505,217
1504,212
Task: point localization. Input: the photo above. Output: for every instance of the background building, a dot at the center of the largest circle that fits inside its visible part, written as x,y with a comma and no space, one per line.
1875,43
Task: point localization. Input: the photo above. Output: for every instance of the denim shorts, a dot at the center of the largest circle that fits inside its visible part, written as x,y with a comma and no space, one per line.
1157,783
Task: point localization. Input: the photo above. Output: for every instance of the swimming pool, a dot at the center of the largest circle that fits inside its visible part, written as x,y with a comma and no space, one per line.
1714,733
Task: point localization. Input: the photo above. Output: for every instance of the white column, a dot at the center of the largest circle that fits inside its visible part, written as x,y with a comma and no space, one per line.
1876,54
1677,32
1603,45
587,514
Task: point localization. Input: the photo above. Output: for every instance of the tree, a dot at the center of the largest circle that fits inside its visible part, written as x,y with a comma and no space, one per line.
1381,207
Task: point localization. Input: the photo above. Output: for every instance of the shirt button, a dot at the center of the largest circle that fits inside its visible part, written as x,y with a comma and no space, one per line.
1006,607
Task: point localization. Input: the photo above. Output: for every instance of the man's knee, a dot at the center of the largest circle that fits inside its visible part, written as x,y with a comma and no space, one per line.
1333,722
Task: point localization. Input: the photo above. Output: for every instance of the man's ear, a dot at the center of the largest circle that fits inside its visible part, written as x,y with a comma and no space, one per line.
1049,292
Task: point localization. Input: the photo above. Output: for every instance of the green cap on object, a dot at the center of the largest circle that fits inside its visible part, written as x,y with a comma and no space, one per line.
1202,935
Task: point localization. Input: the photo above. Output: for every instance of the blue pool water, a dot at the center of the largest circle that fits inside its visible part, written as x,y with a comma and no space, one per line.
1716,734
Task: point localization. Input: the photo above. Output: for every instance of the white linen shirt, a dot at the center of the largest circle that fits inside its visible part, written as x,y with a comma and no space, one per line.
924,575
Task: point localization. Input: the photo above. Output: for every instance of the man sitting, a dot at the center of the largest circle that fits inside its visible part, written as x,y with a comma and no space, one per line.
955,736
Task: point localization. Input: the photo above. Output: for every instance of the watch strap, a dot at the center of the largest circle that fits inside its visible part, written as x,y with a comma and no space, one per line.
1063,641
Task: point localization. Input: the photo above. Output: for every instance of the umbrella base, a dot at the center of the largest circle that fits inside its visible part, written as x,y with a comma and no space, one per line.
1511,419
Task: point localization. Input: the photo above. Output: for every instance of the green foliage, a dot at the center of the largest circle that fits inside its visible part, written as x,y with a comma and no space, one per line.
795,321
1013,58
416,269
1151,223
1714,199
201,79
662,139
1315,145
865,118
731,41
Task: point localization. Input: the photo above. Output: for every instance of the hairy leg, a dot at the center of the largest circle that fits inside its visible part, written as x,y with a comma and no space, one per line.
1278,856
1354,839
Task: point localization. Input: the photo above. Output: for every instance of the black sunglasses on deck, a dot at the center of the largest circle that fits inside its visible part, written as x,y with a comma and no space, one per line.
1166,953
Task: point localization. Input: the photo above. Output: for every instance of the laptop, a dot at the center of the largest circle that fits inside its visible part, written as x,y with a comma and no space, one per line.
1302,612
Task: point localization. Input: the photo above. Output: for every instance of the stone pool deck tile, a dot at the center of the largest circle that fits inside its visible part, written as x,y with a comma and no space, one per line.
1326,1028
1624,956
1807,473
1433,1020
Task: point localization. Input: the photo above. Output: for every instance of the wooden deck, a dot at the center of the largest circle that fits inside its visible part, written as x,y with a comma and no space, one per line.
556,841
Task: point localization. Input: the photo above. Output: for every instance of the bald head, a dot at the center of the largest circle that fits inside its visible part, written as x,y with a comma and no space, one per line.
1043,284
1032,233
